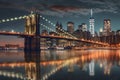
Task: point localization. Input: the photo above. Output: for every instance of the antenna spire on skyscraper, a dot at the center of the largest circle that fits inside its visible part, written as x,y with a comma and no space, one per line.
91,12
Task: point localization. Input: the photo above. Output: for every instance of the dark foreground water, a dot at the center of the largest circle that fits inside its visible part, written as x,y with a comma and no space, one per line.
60,65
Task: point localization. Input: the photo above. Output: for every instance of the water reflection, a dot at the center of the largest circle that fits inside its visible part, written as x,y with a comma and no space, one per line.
32,65
59,65
91,68
92,62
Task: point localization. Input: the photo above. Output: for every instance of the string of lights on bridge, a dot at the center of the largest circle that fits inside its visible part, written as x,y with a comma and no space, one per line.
13,19
49,28
55,26
23,17
64,32
53,71
68,35
12,74
55,31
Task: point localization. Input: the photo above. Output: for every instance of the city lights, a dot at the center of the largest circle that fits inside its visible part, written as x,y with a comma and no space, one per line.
59,40
13,19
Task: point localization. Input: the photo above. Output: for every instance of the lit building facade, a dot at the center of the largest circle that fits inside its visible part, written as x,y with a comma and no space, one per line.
107,27
70,27
91,22
11,46
118,37
101,32
82,27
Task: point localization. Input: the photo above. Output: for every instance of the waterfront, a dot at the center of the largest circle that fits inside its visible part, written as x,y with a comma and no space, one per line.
60,65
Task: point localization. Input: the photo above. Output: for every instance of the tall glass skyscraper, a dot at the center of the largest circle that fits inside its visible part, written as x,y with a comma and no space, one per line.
91,21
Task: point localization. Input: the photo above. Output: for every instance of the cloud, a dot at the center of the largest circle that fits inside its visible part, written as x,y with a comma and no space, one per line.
6,4
103,5
63,7
93,1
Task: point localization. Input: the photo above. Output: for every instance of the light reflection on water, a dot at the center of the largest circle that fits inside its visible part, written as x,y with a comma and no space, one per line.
60,65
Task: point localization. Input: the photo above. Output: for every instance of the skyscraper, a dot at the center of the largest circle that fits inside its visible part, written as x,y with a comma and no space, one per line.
107,27
70,27
91,21
84,27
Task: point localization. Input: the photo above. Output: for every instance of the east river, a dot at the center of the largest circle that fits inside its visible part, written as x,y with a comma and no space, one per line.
92,64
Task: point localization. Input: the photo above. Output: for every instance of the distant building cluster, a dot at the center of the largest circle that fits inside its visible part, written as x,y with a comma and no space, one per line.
83,31
11,47
107,27
109,36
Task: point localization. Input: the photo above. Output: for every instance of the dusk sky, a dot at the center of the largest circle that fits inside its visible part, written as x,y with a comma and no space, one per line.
77,11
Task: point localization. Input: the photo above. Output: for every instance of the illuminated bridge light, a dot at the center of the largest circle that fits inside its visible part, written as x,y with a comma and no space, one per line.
40,15
11,19
46,20
15,18
46,76
11,74
7,20
20,17
25,16
21,77
4,73
43,18
12,30
8,74
49,22
3,20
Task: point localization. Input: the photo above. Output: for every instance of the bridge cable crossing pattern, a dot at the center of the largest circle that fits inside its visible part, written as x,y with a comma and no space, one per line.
49,28
48,21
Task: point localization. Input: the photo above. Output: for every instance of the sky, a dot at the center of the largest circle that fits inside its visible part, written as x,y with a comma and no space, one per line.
77,11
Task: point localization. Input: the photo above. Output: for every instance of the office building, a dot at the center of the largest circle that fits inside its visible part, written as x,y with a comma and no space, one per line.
70,27
107,27
91,24
82,27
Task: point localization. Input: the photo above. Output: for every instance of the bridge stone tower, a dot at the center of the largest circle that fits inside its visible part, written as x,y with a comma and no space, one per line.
32,47
32,27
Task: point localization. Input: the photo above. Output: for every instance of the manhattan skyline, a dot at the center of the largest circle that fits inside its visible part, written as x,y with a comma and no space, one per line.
77,11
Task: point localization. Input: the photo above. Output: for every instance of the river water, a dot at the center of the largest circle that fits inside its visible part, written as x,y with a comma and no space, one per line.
95,64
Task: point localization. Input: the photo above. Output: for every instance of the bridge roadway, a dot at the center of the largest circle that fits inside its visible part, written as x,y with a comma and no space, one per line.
23,35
